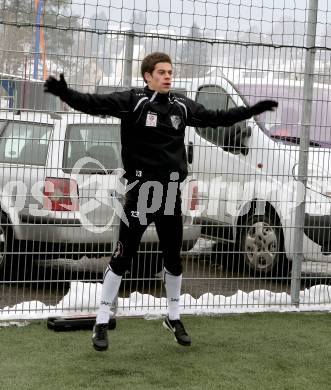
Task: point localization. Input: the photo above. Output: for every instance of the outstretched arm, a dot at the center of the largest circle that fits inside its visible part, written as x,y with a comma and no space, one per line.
115,104
199,116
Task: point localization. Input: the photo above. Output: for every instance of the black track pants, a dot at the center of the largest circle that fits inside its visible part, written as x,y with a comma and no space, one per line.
167,219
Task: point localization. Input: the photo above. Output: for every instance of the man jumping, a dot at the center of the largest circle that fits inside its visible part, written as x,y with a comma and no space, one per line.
153,122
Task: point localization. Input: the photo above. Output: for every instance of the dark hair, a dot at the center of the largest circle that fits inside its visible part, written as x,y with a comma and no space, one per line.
149,62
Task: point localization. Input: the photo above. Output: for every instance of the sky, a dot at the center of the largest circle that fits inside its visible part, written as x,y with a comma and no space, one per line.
215,17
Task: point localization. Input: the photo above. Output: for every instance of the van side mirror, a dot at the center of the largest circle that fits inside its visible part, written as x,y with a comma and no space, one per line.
234,138
247,132
190,152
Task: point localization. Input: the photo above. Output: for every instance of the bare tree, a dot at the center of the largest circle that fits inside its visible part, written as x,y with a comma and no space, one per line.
17,35
194,54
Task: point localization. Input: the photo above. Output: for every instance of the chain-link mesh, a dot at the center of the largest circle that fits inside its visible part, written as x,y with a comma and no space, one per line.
58,224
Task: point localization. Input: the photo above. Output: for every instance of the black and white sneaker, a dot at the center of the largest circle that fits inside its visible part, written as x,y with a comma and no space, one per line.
177,329
99,337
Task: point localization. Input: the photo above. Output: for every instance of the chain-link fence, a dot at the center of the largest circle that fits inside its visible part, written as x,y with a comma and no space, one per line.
256,210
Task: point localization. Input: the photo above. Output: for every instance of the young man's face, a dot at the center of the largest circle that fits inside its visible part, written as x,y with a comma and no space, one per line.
160,79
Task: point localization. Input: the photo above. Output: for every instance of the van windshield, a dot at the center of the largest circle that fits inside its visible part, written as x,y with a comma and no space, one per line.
284,124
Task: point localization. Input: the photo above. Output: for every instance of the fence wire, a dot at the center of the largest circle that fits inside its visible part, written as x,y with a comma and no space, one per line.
243,238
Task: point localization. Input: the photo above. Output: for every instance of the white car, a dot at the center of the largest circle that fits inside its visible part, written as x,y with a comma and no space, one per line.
62,190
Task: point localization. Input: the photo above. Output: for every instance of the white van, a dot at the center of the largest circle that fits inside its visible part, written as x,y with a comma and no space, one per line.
248,194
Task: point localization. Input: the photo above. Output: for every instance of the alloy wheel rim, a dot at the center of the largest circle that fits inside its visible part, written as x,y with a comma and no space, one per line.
261,246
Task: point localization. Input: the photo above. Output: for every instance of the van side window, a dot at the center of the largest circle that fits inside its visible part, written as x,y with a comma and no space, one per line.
24,143
213,97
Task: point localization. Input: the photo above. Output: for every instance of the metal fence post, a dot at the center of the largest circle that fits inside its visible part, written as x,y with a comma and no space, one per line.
128,60
127,81
303,154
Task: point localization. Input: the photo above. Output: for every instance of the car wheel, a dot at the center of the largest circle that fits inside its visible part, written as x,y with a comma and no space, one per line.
261,244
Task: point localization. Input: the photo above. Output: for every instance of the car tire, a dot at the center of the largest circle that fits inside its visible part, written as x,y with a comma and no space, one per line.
261,245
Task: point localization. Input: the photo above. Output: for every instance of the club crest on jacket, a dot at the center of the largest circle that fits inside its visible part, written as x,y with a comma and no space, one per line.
175,120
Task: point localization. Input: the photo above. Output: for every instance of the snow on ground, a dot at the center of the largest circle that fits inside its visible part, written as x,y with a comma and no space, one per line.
84,298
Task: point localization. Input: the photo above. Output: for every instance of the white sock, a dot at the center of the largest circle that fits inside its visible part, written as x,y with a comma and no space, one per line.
173,285
110,287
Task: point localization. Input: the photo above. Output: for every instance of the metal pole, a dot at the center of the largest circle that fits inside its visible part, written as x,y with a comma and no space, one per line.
24,81
303,154
128,60
38,8
127,82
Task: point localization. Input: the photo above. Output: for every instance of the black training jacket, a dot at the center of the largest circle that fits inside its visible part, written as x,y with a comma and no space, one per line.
153,127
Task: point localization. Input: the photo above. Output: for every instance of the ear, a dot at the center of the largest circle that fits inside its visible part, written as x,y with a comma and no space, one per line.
147,76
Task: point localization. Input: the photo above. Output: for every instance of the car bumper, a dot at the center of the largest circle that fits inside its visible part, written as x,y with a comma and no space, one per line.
72,232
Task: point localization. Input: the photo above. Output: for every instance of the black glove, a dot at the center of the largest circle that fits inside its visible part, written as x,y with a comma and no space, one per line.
56,87
264,105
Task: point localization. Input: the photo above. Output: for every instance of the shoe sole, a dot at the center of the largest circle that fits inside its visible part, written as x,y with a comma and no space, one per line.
178,341
99,349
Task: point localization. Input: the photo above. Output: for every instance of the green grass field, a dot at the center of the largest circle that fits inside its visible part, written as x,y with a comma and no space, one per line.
250,351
